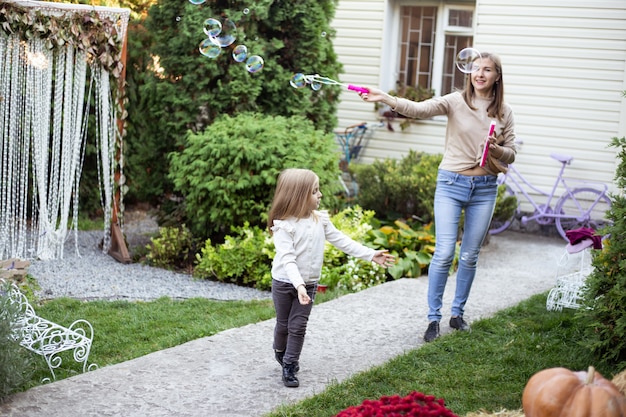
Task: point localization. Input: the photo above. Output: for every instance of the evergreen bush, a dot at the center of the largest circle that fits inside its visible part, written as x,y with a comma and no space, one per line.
245,258
173,247
228,172
399,189
16,365
604,299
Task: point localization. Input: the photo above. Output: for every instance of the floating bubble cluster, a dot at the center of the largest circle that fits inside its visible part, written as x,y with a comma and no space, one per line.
466,60
222,33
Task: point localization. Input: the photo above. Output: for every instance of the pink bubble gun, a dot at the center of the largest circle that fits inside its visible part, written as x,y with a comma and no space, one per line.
313,79
492,128
358,89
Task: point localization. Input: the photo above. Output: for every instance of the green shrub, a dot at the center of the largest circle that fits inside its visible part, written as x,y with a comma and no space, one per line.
341,270
604,300
353,275
399,189
411,243
16,366
174,247
228,172
245,258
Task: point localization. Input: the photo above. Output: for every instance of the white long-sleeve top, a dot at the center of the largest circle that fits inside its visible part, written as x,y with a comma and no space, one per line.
299,247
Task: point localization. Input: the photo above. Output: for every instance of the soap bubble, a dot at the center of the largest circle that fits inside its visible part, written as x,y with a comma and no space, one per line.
254,64
227,35
316,85
212,27
246,11
196,2
323,34
298,80
240,53
209,49
466,60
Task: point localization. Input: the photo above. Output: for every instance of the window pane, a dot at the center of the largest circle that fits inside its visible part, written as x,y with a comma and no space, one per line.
461,18
453,79
417,45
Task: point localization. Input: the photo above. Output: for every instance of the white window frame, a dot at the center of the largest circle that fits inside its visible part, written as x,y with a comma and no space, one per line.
390,57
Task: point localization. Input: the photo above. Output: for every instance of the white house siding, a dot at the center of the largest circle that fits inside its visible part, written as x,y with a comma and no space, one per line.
564,65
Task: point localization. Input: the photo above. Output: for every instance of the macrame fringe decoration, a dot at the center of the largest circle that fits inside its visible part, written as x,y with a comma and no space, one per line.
44,111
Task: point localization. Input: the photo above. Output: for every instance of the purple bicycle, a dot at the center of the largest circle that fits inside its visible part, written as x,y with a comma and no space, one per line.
584,205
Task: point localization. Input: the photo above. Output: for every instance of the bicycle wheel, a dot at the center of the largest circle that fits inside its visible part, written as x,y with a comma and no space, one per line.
584,207
508,203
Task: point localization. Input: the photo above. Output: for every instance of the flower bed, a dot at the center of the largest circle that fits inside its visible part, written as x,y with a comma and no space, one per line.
415,404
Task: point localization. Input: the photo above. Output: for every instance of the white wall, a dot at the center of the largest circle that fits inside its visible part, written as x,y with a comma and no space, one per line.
564,72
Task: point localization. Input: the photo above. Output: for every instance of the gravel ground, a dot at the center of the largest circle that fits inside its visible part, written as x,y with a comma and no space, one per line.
92,274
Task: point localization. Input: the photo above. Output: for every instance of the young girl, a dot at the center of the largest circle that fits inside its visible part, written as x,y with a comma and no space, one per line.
300,232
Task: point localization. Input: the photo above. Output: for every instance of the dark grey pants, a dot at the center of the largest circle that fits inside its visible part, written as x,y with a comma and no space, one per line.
291,319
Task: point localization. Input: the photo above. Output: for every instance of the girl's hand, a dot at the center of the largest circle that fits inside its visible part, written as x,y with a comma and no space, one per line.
303,297
383,258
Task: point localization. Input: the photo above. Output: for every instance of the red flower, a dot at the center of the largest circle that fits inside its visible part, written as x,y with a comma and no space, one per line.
415,404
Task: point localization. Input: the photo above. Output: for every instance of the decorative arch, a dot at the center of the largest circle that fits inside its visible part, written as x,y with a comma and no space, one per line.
56,61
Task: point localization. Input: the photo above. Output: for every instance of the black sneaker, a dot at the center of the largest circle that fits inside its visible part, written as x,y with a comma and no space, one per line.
289,375
432,332
458,323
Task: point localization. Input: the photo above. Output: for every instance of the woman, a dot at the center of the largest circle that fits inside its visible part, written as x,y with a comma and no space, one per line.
462,183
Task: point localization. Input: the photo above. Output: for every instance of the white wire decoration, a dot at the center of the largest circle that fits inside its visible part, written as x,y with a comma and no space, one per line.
44,113
573,270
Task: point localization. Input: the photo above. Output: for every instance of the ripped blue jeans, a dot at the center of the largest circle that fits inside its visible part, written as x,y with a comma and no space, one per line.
455,193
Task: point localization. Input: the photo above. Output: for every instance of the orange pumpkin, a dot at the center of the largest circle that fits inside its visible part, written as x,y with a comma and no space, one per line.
559,392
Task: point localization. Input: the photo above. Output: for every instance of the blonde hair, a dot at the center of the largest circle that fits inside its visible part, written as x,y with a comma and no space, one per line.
497,102
292,196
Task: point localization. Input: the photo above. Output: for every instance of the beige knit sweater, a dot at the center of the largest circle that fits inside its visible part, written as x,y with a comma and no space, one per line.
466,131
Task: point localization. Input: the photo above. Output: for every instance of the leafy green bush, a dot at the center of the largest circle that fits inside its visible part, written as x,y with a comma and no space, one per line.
174,247
228,172
604,301
411,243
15,362
245,258
343,271
399,189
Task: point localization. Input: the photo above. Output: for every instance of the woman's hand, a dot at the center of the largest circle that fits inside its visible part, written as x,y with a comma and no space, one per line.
375,95
495,149
383,258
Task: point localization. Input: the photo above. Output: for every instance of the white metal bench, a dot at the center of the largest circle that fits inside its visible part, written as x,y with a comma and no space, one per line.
49,339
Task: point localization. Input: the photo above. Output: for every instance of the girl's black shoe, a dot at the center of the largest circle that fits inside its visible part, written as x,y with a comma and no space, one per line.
289,375
279,355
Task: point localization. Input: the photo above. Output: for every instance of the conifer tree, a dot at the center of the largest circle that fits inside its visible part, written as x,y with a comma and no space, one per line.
604,304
